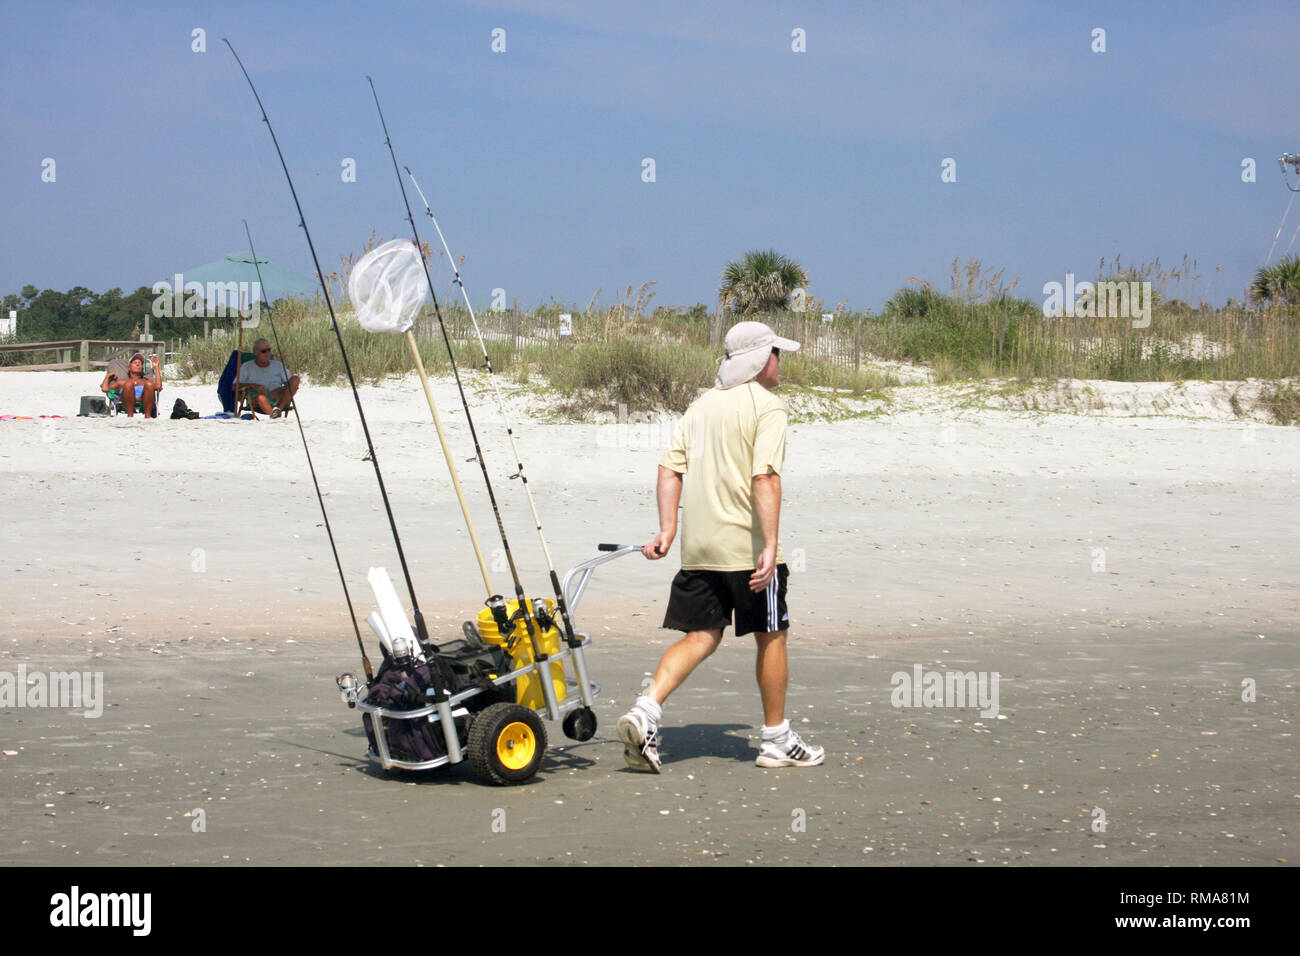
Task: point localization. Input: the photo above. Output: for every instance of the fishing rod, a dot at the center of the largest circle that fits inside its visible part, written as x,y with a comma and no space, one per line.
495,602
439,694
560,602
365,661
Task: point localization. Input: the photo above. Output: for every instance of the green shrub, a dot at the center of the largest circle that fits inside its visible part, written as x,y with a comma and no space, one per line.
637,373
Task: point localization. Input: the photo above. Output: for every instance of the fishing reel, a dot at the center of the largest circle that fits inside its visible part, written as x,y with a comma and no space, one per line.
1289,159
505,623
349,688
472,637
403,653
542,614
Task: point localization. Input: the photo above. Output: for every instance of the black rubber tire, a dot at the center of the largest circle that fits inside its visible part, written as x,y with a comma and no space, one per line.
486,730
580,724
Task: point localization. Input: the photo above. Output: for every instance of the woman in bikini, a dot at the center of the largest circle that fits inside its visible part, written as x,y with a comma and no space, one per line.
135,387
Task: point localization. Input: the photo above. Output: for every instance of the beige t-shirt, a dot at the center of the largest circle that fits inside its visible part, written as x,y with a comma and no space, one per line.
725,438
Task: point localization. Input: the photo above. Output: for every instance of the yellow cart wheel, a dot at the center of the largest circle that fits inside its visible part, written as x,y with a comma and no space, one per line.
506,743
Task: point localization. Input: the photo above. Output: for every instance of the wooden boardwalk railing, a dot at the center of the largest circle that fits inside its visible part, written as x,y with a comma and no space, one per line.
107,349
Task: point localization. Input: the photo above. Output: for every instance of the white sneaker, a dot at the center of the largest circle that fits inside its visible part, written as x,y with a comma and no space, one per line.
640,741
792,753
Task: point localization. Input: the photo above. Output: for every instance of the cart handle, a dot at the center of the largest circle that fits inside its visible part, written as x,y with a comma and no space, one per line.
573,589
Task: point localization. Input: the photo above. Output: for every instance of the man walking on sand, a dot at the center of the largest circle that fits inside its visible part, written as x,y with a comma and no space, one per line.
724,467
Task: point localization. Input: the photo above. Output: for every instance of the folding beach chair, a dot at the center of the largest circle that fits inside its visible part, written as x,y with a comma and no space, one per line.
120,367
236,398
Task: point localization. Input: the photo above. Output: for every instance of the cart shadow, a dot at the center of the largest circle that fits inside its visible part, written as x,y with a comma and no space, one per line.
678,743
564,754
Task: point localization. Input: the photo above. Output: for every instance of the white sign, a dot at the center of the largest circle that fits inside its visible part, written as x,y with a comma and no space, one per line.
566,323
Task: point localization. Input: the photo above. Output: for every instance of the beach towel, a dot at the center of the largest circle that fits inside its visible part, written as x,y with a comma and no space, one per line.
226,384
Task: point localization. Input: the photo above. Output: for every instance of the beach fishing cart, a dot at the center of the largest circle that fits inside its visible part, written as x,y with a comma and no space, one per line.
481,697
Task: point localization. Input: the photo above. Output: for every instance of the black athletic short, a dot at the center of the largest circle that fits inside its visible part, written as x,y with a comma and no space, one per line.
705,601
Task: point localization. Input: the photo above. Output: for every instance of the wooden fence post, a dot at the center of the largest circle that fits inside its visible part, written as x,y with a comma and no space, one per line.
85,355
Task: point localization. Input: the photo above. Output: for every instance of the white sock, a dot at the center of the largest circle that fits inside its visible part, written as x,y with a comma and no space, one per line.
777,734
649,707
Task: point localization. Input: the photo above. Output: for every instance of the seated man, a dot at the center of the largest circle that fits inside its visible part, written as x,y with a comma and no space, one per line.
266,381
133,387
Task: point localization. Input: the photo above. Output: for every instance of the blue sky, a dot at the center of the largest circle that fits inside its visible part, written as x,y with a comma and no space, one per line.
532,158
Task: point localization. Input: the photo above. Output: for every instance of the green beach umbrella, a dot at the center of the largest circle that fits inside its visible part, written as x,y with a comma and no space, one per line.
235,276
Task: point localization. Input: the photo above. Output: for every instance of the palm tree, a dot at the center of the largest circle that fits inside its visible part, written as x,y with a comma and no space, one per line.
909,303
1278,284
760,281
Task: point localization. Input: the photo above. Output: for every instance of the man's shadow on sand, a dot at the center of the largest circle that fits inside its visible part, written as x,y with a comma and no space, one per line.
677,745
719,741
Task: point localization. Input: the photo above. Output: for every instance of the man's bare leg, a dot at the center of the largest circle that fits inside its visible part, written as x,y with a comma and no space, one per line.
679,660
773,674
781,745
284,396
147,398
637,727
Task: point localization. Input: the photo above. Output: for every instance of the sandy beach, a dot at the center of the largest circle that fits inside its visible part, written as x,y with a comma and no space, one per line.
1127,566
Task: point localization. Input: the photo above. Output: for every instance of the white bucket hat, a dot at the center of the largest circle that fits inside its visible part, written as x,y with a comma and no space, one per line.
748,345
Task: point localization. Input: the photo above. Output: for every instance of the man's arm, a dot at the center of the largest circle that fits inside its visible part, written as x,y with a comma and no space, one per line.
669,495
767,505
243,385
